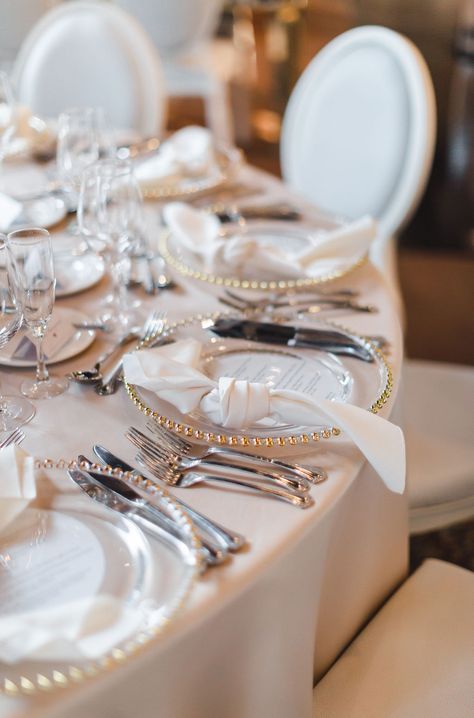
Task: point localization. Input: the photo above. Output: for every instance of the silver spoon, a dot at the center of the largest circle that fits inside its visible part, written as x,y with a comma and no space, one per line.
94,375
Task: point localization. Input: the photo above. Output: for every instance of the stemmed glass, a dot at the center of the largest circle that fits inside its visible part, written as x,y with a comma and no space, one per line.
82,139
7,114
14,410
110,218
31,271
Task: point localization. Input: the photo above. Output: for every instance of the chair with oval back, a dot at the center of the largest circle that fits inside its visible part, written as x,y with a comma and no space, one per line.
87,53
195,64
358,137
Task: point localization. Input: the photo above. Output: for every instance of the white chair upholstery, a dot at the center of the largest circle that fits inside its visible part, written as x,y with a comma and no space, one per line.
358,137
88,53
415,659
439,429
17,17
195,65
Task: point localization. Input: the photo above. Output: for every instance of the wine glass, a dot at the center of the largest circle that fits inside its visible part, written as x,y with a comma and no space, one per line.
14,410
110,217
31,272
82,139
7,113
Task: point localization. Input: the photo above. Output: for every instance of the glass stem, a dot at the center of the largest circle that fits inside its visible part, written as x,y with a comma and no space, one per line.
41,368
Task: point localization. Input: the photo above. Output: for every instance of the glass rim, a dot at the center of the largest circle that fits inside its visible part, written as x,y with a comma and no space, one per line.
27,233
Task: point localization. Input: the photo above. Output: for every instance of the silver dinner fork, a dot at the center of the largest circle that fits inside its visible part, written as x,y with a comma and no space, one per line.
153,328
184,479
313,474
14,437
163,452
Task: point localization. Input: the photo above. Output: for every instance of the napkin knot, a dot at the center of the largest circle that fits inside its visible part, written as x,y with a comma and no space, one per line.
236,402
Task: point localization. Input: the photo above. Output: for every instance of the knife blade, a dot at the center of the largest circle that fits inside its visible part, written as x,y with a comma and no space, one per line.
329,340
213,553
232,540
103,496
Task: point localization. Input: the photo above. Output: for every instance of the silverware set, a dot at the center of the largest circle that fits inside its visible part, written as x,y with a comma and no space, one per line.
309,302
108,383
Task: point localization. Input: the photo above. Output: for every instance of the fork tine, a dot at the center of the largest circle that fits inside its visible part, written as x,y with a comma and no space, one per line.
179,442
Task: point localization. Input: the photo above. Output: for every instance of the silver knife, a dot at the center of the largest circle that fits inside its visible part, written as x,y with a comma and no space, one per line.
232,540
96,492
329,340
122,492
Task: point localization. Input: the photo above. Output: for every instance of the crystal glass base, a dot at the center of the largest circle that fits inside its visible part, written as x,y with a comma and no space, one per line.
14,412
54,386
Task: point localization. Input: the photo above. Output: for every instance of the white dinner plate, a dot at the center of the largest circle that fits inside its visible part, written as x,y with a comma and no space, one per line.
77,549
62,340
45,212
75,274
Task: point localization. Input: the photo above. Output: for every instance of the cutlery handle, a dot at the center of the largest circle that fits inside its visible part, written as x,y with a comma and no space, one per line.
313,474
297,499
233,540
111,380
298,482
212,551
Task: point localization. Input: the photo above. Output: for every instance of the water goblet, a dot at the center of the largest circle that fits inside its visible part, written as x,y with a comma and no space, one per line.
110,218
14,410
31,272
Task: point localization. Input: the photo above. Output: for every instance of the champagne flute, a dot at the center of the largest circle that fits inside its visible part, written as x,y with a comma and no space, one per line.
31,272
7,114
14,410
111,219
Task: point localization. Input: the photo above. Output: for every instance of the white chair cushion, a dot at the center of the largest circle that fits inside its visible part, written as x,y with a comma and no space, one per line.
415,659
438,421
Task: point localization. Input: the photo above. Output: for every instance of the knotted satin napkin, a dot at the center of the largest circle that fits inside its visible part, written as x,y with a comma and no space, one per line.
187,152
172,373
202,233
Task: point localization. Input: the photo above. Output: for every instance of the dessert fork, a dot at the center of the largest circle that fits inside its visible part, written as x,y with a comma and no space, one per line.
184,479
176,461
14,437
313,474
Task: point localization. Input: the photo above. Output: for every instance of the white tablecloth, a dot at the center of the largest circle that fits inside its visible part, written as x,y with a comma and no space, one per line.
260,628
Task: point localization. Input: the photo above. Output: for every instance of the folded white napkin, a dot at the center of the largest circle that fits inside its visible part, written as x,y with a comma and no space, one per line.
188,152
202,234
17,487
172,373
83,629
10,209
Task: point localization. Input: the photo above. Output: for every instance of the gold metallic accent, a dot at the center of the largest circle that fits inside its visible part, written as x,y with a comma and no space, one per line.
117,655
281,441
186,271
228,160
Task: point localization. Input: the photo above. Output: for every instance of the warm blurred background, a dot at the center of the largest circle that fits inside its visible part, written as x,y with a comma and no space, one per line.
274,41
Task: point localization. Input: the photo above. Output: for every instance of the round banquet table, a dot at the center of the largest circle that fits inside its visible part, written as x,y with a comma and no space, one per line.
260,629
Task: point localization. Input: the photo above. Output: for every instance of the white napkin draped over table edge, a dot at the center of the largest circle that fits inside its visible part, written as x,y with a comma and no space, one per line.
201,233
188,151
83,629
172,373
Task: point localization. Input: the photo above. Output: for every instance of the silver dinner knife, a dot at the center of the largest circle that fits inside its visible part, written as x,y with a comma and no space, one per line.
98,493
122,493
329,340
232,540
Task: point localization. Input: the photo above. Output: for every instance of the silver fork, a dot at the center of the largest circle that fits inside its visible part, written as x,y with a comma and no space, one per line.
152,328
313,474
184,479
176,460
14,437
316,303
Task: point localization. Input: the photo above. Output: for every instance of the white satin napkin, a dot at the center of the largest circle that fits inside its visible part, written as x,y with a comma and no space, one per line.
17,486
10,209
172,373
202,234
77,630
187,152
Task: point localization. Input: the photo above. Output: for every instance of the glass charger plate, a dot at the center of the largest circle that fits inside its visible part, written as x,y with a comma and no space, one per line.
228,159
60,553
290,239
316,373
